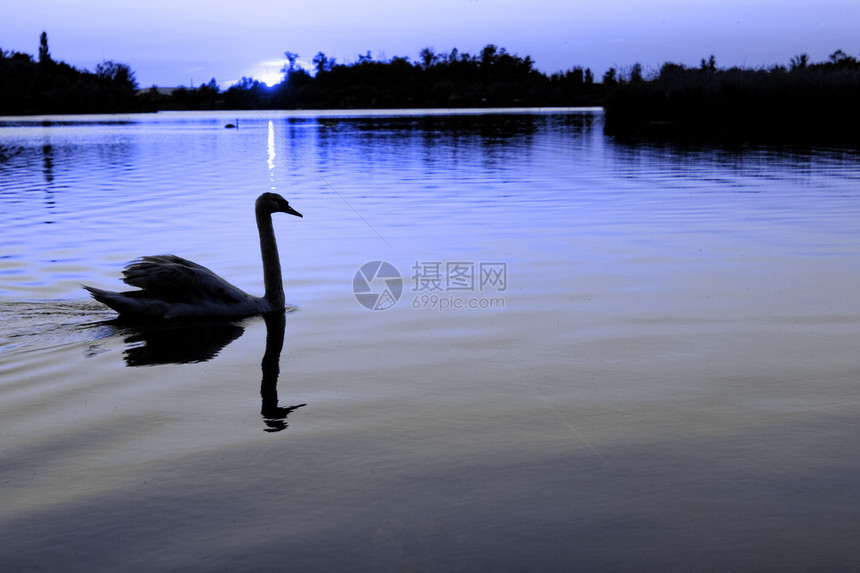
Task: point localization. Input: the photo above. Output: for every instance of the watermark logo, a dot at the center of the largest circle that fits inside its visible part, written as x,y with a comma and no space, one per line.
377,285
438,285
469,276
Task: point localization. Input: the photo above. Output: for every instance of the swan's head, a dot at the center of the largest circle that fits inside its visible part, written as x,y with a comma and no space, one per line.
274,203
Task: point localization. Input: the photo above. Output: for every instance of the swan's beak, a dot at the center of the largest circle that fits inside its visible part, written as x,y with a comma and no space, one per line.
292,211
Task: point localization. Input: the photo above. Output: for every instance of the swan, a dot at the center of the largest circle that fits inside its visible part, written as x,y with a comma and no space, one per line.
172,287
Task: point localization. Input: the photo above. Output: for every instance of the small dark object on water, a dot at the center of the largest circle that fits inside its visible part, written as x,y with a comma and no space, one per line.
233,125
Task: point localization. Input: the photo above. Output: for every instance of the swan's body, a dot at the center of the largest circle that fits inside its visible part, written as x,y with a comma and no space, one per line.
173,287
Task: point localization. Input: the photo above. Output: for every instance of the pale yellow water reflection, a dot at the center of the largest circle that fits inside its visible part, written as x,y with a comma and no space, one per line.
670,383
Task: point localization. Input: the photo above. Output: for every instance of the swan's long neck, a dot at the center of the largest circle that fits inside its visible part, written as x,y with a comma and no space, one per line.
271,261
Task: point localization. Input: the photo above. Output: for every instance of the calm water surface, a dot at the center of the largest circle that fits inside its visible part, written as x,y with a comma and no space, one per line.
653,363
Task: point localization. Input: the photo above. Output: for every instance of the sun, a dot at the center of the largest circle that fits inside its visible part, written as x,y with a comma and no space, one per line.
268,72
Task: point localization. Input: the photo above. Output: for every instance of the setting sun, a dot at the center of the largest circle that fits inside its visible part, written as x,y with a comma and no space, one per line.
268,71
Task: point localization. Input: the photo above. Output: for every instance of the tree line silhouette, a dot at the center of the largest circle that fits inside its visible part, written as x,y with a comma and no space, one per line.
29,86
492,78
801,102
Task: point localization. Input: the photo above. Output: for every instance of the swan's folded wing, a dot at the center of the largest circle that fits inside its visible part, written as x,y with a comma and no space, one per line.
173,278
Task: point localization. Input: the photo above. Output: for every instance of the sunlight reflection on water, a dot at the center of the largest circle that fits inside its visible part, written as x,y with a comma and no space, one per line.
672,373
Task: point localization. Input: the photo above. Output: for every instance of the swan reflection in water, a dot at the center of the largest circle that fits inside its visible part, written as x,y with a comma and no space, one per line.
198,341
274,416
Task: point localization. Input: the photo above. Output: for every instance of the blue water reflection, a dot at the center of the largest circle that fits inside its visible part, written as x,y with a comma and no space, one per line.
668,384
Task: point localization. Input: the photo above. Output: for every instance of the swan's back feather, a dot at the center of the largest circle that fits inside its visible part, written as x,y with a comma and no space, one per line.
174,279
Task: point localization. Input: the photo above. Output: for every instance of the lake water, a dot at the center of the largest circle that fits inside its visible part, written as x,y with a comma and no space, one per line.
584,354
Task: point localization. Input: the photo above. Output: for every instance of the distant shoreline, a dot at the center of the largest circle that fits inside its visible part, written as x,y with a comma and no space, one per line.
805,102
328,112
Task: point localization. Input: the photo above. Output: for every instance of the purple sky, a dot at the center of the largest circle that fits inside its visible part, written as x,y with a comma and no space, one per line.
183,41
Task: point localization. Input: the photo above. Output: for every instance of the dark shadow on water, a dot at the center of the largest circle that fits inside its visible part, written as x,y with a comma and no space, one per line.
152,344
183,343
